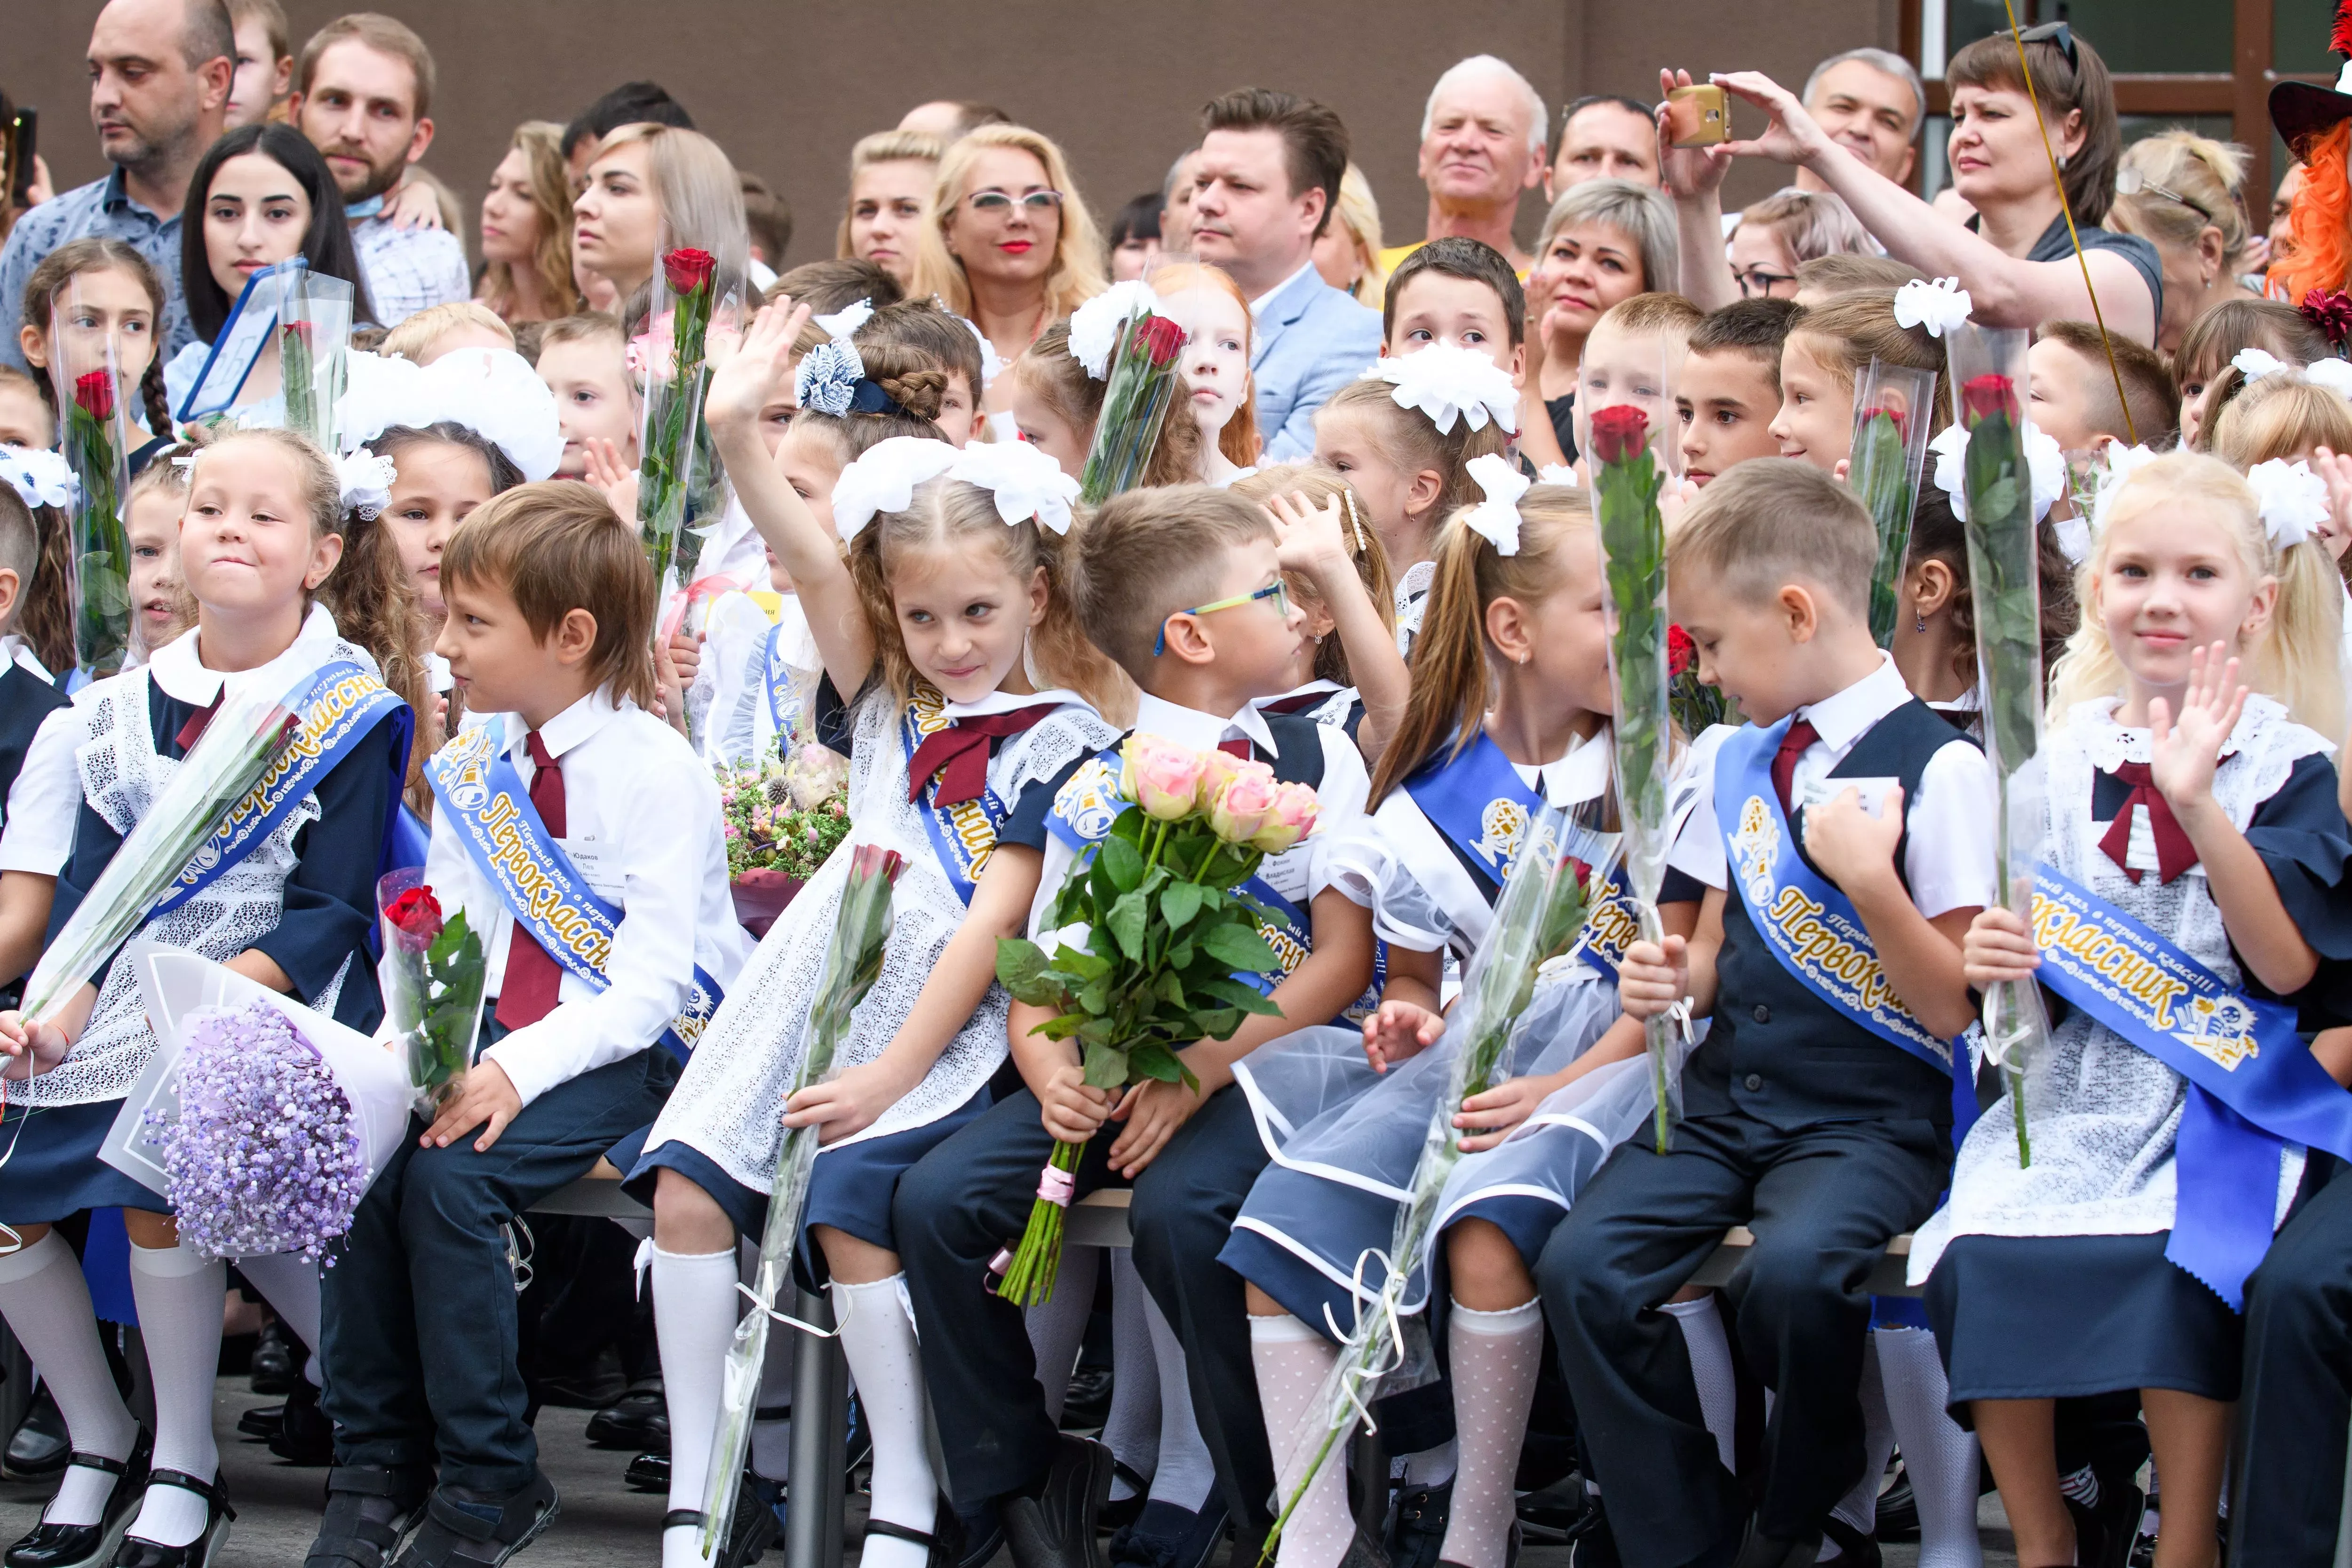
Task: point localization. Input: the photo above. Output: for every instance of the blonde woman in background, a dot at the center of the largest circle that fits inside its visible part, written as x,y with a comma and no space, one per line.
651,188
2184,194
1347,251
1010,244
891,178
527,230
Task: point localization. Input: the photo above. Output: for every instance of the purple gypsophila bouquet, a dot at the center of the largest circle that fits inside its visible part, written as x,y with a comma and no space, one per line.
265,1156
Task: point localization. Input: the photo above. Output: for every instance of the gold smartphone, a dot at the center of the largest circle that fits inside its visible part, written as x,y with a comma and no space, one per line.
1697,116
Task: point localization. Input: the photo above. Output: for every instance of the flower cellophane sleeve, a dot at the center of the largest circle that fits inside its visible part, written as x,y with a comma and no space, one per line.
679,482
432,975
1893,406
1144,383
314,345
93,402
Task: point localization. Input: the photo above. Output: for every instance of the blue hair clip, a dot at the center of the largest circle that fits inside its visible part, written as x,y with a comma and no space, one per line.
829,378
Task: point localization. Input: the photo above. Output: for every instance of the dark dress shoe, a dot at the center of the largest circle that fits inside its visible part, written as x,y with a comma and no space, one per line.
277,1360
198,1553
1758,1550
304,1436
944,1541
1086,1405
263,1421
1119,1512
467,1528
1856,1549
1364,1552
1418,1532
637,1421
1166,1536
371,1509
88,1545
1055,1529
983,1535
38,1447
749,1533
647,1473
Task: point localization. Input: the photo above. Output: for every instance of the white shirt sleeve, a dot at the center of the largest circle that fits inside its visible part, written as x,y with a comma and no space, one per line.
1698,849
1949,857
45,802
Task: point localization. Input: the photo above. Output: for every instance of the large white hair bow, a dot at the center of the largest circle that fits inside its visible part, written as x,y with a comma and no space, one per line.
1496,519
1094,326
2046,462
841,323
2254,364
1446,381
1025,482
2121,461
494,392
40,477
365,481
1940,306
2331,372
883,479
2294,501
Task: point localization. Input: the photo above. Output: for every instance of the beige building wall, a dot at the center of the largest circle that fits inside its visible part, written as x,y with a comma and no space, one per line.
787,87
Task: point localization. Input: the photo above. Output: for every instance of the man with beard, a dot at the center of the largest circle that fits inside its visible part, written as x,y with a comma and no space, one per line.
363,95
1482,144
159,84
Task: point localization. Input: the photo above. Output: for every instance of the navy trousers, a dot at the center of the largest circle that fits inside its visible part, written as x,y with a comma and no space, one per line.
1823,1201
2297,1401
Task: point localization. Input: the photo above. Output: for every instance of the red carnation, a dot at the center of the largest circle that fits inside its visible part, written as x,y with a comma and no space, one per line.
1618,432
1159,338
1680,650
688,270
95,394
415,914
1985,396
1893,415
2329,310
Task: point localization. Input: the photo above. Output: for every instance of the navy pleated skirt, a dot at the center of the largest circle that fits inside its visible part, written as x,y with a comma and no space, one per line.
49,1167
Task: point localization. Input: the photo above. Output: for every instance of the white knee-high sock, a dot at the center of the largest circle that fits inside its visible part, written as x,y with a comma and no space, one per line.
289,1283
1058,1323
694,1320
46,1302
1132,1428
179,1298
877,1337
1859,1507
1939,1455
1292,1360
1185,1474
1710,1358
1495,1358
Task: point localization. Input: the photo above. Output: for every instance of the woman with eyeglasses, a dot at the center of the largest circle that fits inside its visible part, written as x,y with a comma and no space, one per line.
1009,245
2183,192
2014,256
1782,231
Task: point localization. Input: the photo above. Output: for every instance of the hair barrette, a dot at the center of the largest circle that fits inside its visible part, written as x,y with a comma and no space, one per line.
831,379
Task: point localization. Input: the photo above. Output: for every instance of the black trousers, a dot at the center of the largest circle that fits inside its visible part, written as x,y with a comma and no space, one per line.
2297,1404
1823,1201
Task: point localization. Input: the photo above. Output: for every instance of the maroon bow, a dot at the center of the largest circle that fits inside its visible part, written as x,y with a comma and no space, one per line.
958,754
2174,852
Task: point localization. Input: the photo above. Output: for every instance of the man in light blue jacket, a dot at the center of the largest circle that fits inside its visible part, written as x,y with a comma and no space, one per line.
1266,181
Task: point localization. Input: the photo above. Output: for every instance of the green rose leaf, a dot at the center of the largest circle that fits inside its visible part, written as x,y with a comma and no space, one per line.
1241,950
1180,902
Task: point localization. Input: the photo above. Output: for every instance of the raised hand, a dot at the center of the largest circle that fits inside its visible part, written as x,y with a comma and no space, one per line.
2336,468
1794,137
1686,171
747,383
607,470
1307,539
2184,753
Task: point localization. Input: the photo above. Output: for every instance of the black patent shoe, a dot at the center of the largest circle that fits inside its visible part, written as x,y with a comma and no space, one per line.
277,1360
304,1437
198,1553
945,1540
749,1533
456,1535
38,1448
87,1545
371,1509
647,1472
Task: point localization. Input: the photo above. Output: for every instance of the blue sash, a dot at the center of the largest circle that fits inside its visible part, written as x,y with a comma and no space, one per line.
340,704
777,677
484,798
962,836
1479,800
2253,1086
1808,925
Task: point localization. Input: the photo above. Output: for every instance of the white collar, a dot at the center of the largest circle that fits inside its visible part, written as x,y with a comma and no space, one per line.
15,649
1202,731
182,676
1008,702
1578,774
571,727
1841,718
1258,305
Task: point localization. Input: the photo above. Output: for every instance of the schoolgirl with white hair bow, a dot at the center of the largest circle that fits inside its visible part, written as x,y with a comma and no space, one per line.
958,683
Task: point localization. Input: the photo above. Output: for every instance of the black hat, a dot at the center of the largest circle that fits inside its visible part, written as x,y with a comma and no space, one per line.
2303,109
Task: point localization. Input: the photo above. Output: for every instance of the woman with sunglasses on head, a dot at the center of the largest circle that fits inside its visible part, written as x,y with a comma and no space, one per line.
1010,245
2014,256
2183,192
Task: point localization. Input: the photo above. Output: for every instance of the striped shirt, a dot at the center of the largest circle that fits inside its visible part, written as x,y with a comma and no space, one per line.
102,209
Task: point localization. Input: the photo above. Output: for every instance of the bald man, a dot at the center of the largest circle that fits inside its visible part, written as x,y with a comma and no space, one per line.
159,80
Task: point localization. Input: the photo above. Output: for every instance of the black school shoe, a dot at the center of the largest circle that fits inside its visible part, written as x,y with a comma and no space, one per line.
198,1553
88,1545
637,1421
647,1472
39,1448
277,1364
1055,1529
465,1529
749,1533
304,1437
1166,1536
944,1540
371,1509
1417,1533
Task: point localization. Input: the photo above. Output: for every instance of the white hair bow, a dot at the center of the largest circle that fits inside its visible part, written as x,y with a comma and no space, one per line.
992,364
1940,306
884,478
2331,372
2254,364
494,392
846,320
40,477
1556,474
2043,461
1094,326
365,481
1446,381
2121,461
1496,519
2294,501
1025,482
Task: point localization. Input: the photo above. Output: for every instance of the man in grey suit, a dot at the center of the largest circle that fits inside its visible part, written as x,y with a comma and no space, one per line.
1264,182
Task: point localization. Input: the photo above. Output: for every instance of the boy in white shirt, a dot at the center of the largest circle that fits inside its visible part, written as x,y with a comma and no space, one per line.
574,785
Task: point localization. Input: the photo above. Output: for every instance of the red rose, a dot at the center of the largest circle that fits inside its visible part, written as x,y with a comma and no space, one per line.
1680,650
1985,396
2329,310
95,394
688,270
869,861
1893,415
301,331
415,914
1618,432
1159,338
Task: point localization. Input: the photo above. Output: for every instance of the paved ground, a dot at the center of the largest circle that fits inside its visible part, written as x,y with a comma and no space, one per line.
603,1524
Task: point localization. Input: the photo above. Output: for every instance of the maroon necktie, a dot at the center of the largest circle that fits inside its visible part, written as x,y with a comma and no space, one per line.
2174,852
1238,746
1794,744
194,728
958,754
1290,707
532,979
